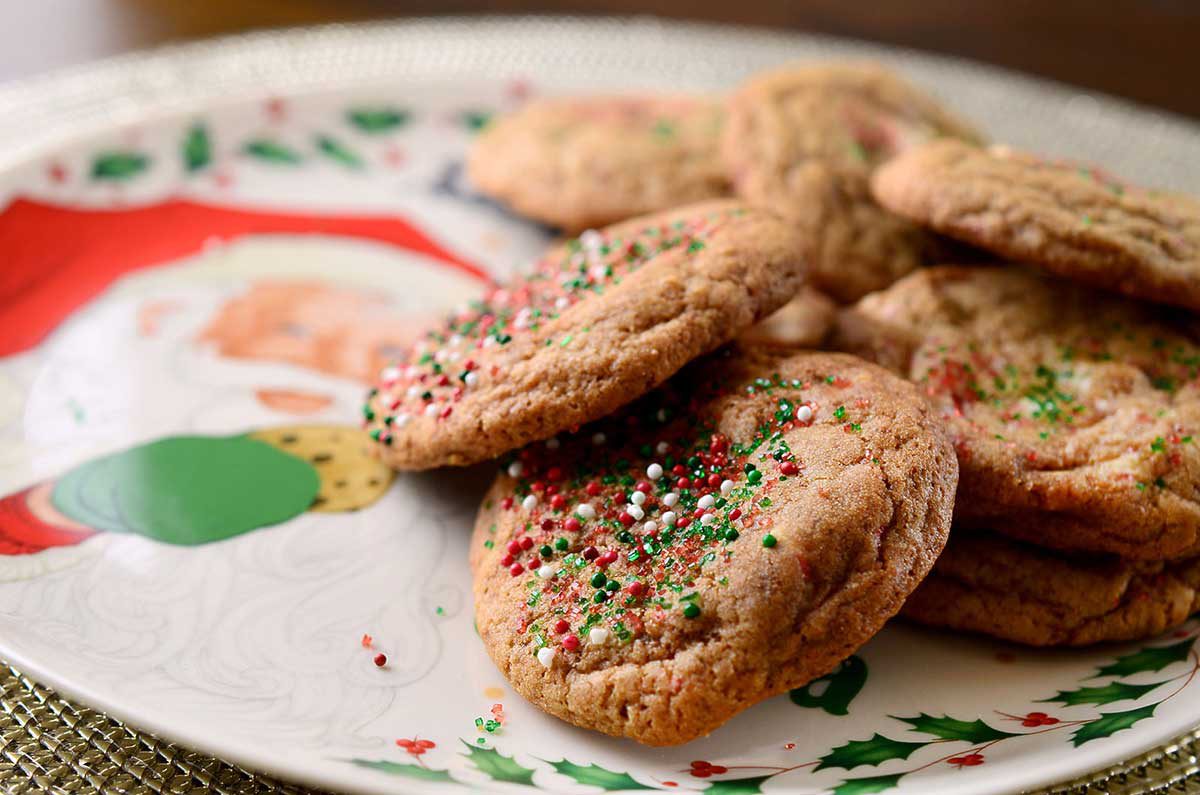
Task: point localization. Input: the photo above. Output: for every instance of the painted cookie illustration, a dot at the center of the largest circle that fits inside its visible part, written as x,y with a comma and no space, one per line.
595,323
803,322
1019,592
804,140
1069,219
1073,411
585,162
732,535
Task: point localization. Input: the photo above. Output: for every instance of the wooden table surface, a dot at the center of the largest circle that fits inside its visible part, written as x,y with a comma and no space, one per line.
1146,50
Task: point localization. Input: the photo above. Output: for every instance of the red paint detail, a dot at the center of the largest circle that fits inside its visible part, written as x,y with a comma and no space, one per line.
22,532
367,640
57,173
57,258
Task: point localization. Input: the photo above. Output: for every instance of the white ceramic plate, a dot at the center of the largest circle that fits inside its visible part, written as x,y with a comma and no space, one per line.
228,238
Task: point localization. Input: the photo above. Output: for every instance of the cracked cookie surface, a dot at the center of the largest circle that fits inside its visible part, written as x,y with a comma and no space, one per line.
592,325
1065,218
1023,593
804,141
730,536
1072,410
584,162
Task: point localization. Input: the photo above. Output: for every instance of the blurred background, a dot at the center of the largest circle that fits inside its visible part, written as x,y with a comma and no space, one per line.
1144,50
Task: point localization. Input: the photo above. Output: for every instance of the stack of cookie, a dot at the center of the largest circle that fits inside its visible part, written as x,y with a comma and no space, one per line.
693,513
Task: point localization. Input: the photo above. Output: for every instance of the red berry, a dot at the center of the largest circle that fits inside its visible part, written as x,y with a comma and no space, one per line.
558,502
561,626
514,547
590,553
380,660
570,643
571,525
526,543
625,519
516,569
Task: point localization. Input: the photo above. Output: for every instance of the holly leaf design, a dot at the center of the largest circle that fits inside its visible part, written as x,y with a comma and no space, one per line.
1151,658
197,148
1109,723
335,150
376,121
499,767
597,776
476,120
866,786
974,732
119,165
738,786
272,152
875,751
1104,694
402,769
842,685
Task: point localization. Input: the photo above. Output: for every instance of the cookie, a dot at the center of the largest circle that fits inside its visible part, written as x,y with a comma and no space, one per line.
1019,592
804,141
803,322
1072,410
730,536
594,324
1064,218
581,163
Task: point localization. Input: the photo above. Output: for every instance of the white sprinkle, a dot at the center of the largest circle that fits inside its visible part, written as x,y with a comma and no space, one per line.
431,410
804,414
708,518
530,502
586,510
668,518
662,448
413,371
598,635
520,321
440,356
515,469
561,304
706,501
591,239
635,511
545,656
454,356
670,498
726,487
401,420
637,498
649,527
599,438
471,379
545,572
662,415
598,273
654,471
552,443
413,391
389,374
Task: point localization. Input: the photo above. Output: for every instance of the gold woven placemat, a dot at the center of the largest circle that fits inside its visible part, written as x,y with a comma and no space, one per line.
48,744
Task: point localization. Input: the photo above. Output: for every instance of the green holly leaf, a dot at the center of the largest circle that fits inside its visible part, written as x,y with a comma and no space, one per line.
597,776
376,121
948,728
866,786
272,152
119,165
738,786
1151,658
476,120
335,150
874,751
499,767
843,684
1109,723
197,148
401,769
1104,694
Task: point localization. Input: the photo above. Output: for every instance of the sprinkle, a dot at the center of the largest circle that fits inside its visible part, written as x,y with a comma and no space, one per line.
804,414
545,656
691,610
662,447
586,511
598,635
706,501
669,518
654,471
431,410
545,572
515,469
769,541
669,499
599,438
571,642
471,379
708,518
530,502
380,660
638,498
636,511
726,487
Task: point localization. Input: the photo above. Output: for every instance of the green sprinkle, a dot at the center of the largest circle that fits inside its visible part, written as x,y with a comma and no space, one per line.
598,580
546,550
839,413
1159,445
600,596
691,610
769,541
754,476
561,544
731,535
489,544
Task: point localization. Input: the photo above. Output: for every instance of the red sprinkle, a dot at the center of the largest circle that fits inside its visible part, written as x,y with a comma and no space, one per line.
506,503
516,569
526,543
625,519
561,626
507,560
636,588
570,643
592,488
514,547
714,480
683,483
590,553
558,502
789,468
571,524
380,660
736,513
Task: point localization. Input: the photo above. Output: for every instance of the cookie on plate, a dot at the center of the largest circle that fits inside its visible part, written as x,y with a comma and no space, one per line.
595,323
585,162
803,322
1071,220
1073,411
732,535
1019,592
804,141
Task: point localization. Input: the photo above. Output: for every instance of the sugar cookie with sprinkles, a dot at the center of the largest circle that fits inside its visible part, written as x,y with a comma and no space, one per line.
804,140
803,322
733,534
1070,219
589,161
595,323
991,585
1072,410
